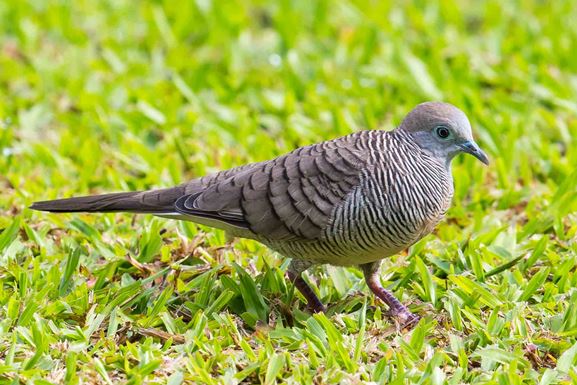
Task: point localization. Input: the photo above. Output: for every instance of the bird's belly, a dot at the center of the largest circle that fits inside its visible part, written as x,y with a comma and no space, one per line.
364,243
334,253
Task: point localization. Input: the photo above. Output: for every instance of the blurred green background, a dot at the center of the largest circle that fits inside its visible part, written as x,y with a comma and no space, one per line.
101,96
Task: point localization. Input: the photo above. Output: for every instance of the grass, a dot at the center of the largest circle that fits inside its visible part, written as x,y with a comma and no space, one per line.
123,95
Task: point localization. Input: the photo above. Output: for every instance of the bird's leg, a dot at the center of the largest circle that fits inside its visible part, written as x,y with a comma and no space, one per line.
397,310
294,275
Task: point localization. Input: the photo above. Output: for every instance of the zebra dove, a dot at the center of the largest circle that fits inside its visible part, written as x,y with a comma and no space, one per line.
349,201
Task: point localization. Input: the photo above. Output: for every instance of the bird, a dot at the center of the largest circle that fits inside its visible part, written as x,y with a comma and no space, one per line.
350,201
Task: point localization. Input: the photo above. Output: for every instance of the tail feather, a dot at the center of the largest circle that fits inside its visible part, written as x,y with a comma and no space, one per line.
154,202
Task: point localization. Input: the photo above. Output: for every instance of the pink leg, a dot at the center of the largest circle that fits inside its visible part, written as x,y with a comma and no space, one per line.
397,310
293,273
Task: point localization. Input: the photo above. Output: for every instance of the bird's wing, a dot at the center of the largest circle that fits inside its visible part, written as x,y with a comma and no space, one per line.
290,197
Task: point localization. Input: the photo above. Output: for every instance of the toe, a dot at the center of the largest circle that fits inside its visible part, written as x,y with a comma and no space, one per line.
408,320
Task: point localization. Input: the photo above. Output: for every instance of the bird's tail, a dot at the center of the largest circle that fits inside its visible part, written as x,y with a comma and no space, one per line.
153,202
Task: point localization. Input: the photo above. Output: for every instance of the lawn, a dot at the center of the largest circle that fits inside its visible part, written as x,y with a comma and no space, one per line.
102,96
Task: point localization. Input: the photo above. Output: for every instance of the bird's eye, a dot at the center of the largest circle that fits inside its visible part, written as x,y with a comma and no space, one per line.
442,132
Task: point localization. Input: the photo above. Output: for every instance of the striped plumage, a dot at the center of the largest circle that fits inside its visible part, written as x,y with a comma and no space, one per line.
389,208
353,200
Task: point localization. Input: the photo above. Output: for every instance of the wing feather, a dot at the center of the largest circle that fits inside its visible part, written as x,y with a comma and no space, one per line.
290,197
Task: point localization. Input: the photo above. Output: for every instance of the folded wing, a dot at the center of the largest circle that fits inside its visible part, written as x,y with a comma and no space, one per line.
290,197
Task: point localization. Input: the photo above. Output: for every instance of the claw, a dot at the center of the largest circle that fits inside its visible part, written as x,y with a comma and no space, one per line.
315,308
404,320
407,320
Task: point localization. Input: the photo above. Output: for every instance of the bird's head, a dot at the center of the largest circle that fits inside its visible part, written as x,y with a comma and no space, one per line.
443,130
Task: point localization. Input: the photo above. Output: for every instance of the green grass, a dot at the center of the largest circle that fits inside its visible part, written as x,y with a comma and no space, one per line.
124,95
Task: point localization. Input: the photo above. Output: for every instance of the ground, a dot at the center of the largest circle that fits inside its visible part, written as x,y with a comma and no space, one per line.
102,96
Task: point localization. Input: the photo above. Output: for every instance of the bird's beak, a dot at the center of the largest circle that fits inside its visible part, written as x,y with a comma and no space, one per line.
472,148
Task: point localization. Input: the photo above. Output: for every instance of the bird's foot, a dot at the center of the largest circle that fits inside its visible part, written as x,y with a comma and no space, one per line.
398,312
405,320
316,307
